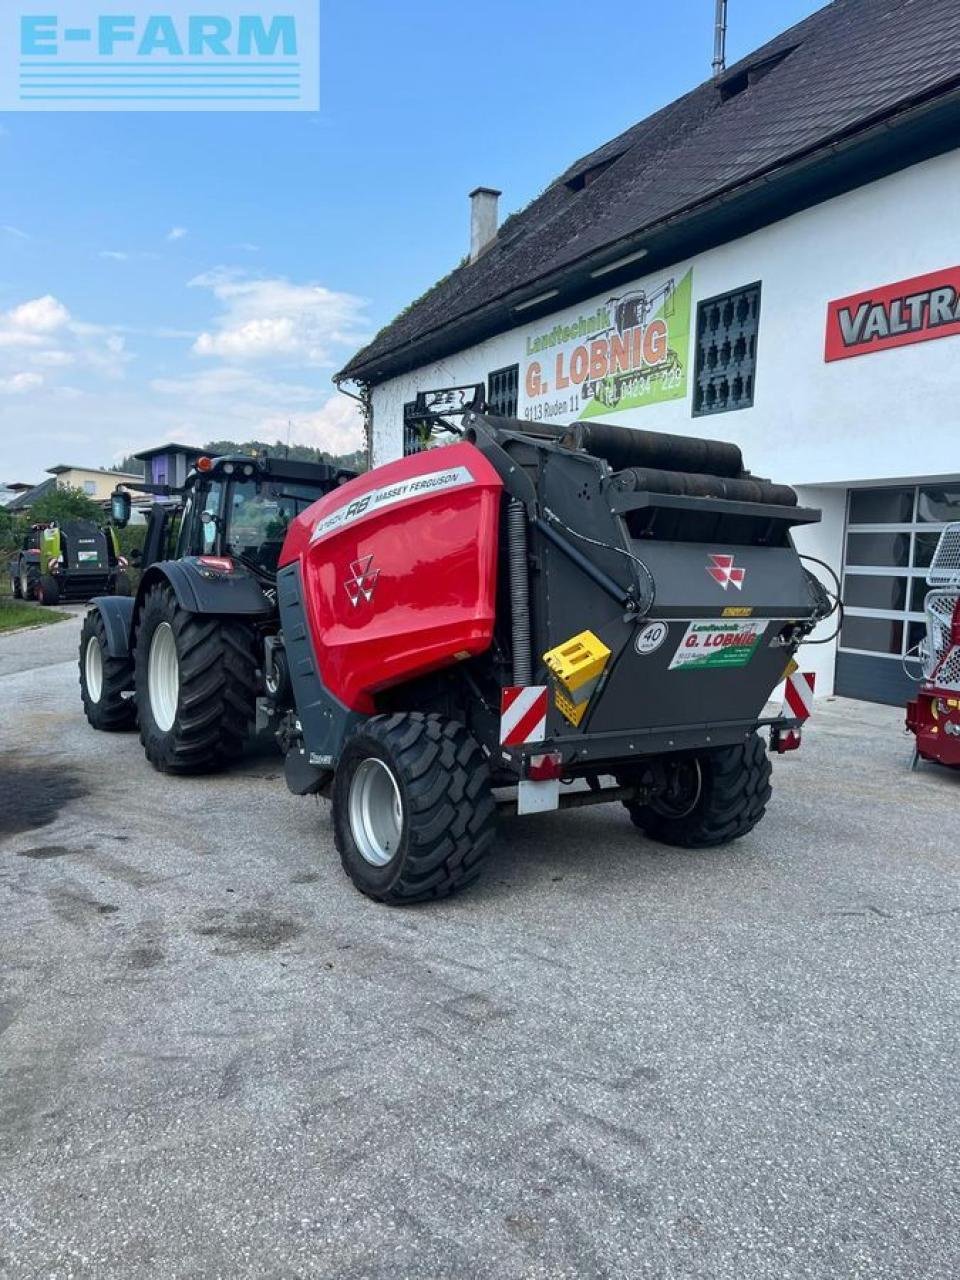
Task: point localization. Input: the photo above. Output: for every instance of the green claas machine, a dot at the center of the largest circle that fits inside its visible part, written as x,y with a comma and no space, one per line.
72,560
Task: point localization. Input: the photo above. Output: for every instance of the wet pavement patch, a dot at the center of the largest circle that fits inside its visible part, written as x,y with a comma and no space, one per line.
43,851
32,793
252,930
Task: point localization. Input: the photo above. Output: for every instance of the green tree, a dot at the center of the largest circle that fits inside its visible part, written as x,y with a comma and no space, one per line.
131,465
65,504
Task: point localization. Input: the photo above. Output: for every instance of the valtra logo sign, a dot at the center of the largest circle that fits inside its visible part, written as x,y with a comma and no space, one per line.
894,315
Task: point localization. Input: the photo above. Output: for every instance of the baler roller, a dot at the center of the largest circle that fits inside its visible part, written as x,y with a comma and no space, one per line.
690,485
625,447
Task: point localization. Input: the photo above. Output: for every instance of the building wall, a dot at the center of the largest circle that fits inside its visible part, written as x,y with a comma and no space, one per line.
887,413
98,485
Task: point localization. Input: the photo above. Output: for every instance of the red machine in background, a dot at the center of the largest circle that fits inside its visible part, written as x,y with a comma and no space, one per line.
933,717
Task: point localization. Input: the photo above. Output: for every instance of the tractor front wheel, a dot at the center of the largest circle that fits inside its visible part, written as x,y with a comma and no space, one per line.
710,798
413,813
104,680
196,685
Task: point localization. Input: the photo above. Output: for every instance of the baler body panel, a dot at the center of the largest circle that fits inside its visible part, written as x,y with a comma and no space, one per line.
399,571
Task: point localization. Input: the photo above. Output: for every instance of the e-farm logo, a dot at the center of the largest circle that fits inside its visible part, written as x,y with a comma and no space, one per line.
176,55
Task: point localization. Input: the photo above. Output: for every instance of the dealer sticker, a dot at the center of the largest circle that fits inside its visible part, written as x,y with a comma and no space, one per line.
717,643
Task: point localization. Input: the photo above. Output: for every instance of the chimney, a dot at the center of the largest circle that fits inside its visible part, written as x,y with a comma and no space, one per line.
720,40
483,220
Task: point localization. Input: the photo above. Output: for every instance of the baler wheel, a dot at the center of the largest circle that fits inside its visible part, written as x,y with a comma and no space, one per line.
413,813
48,592
103,680
733,787
196,685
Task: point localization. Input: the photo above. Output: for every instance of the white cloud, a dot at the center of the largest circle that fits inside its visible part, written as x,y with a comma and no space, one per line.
115,255
337,426
276,319
52,358
176,233
19,384
13,231
39,315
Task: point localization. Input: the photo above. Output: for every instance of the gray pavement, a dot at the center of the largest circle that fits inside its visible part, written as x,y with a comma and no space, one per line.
608,1059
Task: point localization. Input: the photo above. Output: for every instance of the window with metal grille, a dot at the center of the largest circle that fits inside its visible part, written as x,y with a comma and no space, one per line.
413,434
502,389
726,368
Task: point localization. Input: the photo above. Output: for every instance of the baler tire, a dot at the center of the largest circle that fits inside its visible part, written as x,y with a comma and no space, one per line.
109,711
446,811
48,590
735,789
217,687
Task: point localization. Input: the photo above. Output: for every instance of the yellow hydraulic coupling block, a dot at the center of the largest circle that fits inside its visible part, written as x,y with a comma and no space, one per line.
577,666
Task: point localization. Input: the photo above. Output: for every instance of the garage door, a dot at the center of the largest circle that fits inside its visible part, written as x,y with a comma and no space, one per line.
890,539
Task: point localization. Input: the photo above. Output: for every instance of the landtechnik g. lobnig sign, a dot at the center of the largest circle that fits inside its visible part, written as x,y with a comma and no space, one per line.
175,55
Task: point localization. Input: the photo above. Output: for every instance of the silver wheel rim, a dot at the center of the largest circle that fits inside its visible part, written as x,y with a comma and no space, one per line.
686,806
163,677
93,669
376,812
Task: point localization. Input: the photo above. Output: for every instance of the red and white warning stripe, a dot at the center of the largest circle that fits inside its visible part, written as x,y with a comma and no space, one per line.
799,695
523,714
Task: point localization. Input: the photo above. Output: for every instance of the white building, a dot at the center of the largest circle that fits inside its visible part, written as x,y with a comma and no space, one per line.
772,259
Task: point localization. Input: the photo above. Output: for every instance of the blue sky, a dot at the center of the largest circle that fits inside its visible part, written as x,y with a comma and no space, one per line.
192,276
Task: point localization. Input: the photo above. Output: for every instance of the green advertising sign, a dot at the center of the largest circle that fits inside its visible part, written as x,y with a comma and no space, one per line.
631,351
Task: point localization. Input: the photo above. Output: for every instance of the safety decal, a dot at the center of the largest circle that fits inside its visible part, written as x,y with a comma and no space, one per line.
717,643
798,700
650,638
390,494
523,714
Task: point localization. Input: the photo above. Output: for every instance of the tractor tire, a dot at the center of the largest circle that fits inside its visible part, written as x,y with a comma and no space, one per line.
15,588
28,580
48,590
732,787
413,813
104,680
196,685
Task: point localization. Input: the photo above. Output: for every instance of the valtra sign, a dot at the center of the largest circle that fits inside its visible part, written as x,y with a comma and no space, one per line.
894,315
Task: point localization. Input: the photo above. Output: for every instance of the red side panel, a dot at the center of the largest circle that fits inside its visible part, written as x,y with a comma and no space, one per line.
399,570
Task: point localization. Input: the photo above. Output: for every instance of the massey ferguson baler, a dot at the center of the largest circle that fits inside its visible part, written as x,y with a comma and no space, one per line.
537,617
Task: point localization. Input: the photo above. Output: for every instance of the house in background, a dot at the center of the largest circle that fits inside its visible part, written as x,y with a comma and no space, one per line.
96,483
168,463
770,259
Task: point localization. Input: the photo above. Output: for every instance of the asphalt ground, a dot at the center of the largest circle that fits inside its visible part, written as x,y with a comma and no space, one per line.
607,1059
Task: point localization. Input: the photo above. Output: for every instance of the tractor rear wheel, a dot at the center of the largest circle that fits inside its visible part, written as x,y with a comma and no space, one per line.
15,588
413,812
711,798
48,591
28,581
196,685
104,680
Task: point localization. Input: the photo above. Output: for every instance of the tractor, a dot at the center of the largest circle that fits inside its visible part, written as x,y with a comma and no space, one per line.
184,658
534,617
68,560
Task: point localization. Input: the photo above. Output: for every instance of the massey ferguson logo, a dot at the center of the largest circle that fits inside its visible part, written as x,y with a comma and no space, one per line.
721,569
362,581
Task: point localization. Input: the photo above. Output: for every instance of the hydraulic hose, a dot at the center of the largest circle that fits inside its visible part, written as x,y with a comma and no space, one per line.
519,592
